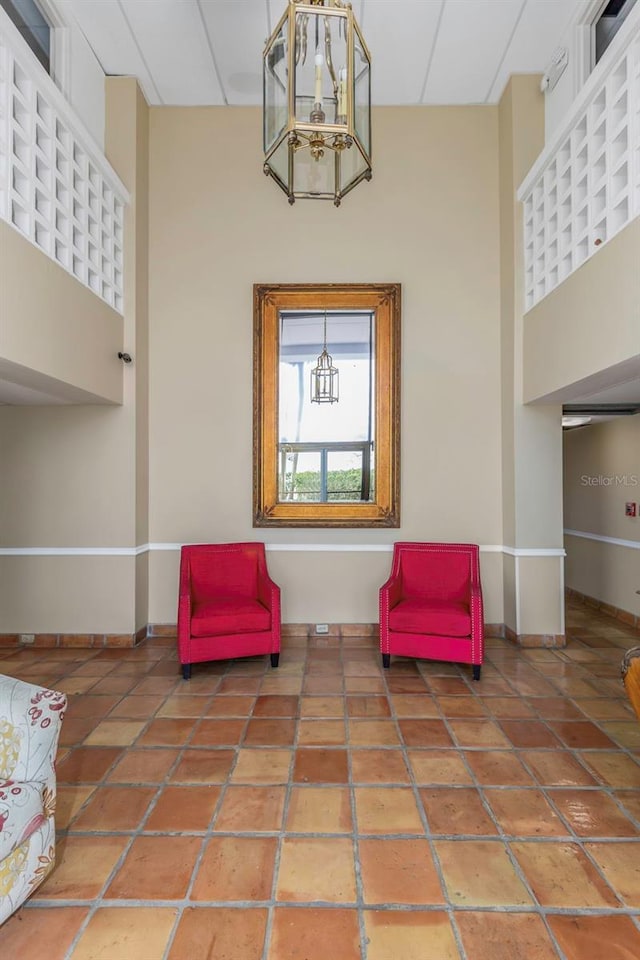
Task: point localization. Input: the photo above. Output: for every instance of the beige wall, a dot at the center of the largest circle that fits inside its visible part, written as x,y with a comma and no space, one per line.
563,335
539,595
531,437
429,219
127,148
55,334
509,579
66,477
601,473
508,234
67,594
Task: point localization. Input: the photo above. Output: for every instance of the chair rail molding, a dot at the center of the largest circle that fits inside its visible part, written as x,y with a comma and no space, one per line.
584,188
614,541
273,547
56,187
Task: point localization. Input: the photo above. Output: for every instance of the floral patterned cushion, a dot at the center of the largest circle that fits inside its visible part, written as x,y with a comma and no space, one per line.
30,721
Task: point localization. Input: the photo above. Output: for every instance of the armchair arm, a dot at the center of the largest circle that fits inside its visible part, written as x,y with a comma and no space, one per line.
477,623
185,579
184,604
393,590
269,597
30,722
184,615
390,593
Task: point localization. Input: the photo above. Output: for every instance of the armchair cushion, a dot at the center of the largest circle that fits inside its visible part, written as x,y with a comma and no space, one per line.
233,575
228,615
435,576
445,618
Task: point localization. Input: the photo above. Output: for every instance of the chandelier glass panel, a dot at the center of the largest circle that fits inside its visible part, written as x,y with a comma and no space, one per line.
317,102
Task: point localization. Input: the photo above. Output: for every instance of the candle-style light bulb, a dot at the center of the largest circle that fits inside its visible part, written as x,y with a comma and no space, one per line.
342,93
319,65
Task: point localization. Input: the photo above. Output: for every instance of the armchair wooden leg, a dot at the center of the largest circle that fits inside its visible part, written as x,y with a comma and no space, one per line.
275,659
476,671
186,671
386,660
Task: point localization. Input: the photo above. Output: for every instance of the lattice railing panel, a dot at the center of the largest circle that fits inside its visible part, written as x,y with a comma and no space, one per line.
586,188
55,186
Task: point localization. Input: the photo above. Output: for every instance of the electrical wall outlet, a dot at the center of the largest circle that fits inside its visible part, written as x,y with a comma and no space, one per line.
27,638
322,628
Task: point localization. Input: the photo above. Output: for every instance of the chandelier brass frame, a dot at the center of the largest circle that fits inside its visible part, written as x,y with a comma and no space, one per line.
317,125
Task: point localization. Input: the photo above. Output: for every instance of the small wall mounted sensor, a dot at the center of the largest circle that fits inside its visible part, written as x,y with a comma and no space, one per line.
555,69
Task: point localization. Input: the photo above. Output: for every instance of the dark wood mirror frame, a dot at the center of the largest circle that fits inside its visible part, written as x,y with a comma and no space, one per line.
384,300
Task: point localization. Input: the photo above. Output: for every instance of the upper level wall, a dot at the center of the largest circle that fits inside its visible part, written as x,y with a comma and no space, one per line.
56,186
589,323
582,235
61,232
584,188
54,332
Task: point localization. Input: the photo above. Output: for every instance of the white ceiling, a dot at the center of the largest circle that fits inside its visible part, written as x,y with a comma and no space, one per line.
209,52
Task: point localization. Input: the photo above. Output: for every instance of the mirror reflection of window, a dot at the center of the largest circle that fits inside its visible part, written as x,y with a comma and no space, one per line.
326,449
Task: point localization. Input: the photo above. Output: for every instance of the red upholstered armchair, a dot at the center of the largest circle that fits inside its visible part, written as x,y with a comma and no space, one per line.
228,606
431,605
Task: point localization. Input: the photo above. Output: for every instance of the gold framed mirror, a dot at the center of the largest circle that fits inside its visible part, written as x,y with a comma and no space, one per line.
326,405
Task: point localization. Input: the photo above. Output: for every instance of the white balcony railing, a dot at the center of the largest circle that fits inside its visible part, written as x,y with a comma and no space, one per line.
585,186
55,185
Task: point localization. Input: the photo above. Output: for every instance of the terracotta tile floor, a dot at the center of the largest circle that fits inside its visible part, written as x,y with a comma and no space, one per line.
329,810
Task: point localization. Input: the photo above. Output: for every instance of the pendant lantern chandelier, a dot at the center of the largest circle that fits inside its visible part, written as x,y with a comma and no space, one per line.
317,102
324,376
